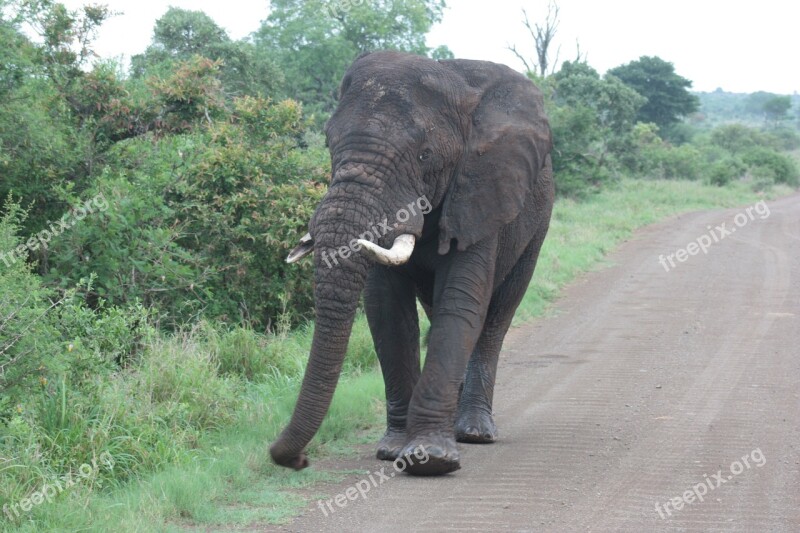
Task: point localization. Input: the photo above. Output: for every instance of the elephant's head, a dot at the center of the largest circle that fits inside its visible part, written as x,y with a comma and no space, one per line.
409,133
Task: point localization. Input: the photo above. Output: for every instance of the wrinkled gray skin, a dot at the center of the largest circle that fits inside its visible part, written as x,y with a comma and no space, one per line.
471,138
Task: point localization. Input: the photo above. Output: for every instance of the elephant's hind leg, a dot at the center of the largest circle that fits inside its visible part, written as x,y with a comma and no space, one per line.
474,421
390,299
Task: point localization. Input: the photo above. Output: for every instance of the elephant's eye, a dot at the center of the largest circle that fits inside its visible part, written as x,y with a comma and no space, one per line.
425,155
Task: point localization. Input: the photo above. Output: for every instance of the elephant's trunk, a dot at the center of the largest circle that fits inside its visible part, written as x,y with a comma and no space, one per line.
350,211
336,295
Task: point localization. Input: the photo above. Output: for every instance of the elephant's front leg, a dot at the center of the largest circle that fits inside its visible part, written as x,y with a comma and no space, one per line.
390,299
462,290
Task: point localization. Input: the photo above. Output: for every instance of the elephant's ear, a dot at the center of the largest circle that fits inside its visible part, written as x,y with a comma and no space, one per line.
508,141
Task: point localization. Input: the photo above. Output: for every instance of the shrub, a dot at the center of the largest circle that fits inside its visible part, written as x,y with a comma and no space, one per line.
737,137
579,163
200,224
771,165
740,138
681,162
28,339
131,251
112,335
784,139
246,197
726,170
590,118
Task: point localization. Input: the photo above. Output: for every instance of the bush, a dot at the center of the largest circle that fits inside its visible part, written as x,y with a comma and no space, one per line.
113,335
28,339
246,198
199,224
578,156
590,118
784,139
131,250
48,335
57,360
651,157
739,138
726,170
680,162
736,138
770,165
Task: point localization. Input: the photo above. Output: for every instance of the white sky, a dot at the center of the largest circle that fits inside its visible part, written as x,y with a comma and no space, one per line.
739,46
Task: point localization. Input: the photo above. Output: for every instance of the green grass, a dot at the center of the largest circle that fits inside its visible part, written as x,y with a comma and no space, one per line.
189,424
189,431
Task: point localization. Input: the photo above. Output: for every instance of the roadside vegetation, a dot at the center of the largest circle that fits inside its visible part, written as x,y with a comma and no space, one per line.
165,331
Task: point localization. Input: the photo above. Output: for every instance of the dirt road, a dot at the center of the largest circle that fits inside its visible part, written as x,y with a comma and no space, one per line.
644,387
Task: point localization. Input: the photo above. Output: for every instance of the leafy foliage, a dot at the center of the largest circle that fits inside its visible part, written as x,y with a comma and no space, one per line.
314,41
46,334
181,35
667,93
45,140
776,108
189,95
590,117
771,166
200,223
245,198
26,336
727,153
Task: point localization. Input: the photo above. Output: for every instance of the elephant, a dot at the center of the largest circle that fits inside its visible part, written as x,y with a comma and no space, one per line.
441,191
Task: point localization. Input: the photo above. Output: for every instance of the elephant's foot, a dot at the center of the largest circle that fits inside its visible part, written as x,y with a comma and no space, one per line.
475,427
390,445
431,454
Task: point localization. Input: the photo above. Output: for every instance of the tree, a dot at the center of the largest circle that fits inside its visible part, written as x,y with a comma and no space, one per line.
66,35
184,33
543,36
17,55
180,34
314,41
775,108
667,93
614,103
591,118
737,137
43,142
754,103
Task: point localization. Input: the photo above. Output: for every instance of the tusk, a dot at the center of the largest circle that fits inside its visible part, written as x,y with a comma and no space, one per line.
399,254
305,247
